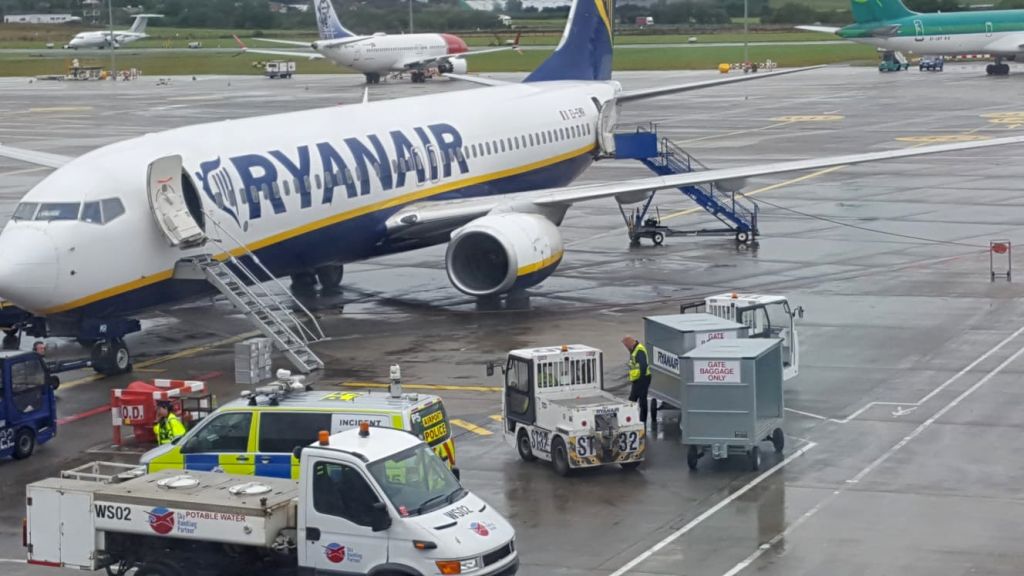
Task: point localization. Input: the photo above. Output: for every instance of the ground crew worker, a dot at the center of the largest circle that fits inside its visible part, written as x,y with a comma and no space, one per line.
639,374
168,426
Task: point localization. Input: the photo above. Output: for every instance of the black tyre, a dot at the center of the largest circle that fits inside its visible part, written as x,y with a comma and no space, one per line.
654,413
330,278
303,283
658,238
24,443
743,237
692,456
12,340
523,446
560,457
755,458
778,440
110,357
630,466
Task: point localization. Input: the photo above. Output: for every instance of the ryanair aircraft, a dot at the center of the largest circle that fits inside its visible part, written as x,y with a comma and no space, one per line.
488,171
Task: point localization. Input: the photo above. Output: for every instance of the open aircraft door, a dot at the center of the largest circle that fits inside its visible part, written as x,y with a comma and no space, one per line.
607,119
173,211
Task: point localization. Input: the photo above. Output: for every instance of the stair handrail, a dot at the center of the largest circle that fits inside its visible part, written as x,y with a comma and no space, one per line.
318,334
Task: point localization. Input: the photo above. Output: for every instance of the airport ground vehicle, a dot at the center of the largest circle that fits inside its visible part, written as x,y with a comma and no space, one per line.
554,409
279,69
893,61
369,501
931,63
28,409
256,434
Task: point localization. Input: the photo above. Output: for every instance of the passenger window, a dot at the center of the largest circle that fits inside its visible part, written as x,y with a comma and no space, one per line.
27,381
287,187
531,140
488,145
25,211
329,179
243,196
112,209
281,432
317,178
228,432
58,211
91,213
340,490
276,189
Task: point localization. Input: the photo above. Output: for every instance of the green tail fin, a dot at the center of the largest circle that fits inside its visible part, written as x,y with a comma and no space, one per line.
878,10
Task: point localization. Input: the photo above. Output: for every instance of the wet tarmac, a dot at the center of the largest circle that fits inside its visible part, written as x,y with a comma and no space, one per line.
910,357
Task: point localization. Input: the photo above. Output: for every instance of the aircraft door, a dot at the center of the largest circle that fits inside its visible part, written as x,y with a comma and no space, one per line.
607,119
177,215
988,29
918,31
520,402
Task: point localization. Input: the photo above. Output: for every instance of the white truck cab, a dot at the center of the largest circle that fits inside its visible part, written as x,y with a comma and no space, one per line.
369,501
554,408
767,316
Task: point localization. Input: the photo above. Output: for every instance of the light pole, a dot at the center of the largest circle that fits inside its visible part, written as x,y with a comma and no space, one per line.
410,17
113,59
746,15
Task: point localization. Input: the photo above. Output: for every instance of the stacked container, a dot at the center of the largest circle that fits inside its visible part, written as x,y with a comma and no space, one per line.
252,361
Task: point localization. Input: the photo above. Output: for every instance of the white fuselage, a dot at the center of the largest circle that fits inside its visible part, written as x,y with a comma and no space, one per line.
252,176
102,39
386,53
945,44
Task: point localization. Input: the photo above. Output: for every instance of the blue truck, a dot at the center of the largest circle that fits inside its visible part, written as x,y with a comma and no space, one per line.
28,407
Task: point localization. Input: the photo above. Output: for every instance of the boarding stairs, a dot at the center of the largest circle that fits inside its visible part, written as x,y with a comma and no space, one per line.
275,314
738,213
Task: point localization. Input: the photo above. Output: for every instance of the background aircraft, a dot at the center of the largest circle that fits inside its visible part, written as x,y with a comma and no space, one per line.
890,25
488,171
103,39
421,55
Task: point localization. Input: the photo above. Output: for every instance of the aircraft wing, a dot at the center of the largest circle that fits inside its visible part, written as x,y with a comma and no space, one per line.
432,218
289,53
286,42
822,29
33,157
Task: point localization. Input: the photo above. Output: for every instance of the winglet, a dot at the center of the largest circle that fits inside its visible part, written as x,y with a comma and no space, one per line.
515,43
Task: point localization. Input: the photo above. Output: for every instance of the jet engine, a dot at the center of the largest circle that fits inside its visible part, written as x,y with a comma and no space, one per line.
453,66
501,252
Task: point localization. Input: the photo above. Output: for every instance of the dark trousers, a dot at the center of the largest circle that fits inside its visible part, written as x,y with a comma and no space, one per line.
638,393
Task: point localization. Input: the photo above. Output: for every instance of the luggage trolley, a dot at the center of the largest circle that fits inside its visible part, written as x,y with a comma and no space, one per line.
732,399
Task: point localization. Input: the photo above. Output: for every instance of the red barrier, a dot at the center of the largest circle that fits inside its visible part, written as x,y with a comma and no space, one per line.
135,406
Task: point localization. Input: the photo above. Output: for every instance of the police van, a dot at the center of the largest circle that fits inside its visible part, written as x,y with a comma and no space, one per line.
257,434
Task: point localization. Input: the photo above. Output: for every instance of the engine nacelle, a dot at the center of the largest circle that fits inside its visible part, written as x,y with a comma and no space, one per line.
501,252
453,66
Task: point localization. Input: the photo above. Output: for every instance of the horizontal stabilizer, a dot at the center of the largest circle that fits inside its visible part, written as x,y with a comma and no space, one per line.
822,29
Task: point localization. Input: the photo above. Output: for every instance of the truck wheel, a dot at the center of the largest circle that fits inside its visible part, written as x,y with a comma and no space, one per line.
24,443
692,456
755,458
560,457
778,440
629,466
523,444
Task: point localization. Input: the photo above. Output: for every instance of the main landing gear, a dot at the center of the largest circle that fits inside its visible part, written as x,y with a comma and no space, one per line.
998,69
372,78
418,77
110,357
329,277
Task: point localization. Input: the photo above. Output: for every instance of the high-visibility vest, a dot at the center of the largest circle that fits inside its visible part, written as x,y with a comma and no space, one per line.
634,366
169,429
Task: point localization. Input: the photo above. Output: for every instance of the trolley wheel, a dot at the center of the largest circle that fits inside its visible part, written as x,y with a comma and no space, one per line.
559,457
658,238
523,445
778,440
755,458
24,443
692,456
654,413
743,237
629,466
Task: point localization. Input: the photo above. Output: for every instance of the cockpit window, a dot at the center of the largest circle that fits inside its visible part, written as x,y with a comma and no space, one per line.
91,213
58,211
25,211
112,208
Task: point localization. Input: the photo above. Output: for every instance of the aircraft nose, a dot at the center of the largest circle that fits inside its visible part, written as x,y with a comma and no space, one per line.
28,267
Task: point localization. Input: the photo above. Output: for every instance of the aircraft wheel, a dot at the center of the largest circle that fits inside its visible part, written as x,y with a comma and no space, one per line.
24,443
304,282
330,278
110,357
12,340
990,69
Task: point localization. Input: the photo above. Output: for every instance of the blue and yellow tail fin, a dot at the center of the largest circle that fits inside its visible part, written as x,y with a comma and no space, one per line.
327,22
865,11
585,51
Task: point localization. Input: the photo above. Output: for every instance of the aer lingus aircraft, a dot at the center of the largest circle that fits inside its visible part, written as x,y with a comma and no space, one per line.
488,170
377,55
890,25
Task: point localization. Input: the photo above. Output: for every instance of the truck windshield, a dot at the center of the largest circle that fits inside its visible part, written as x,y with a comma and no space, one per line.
431,424
416,481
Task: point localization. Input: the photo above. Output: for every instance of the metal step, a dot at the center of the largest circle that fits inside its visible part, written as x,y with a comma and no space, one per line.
274,314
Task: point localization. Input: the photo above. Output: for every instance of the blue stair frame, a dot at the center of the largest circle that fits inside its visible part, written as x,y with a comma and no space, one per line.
738,213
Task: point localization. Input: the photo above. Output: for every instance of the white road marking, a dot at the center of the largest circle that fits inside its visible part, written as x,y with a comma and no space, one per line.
11,561
739,567
710,512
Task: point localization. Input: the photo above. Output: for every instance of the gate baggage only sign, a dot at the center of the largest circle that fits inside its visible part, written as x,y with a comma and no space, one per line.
716,371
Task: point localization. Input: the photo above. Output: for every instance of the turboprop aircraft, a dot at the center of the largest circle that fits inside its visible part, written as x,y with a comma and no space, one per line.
487,170
376,56
890,25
